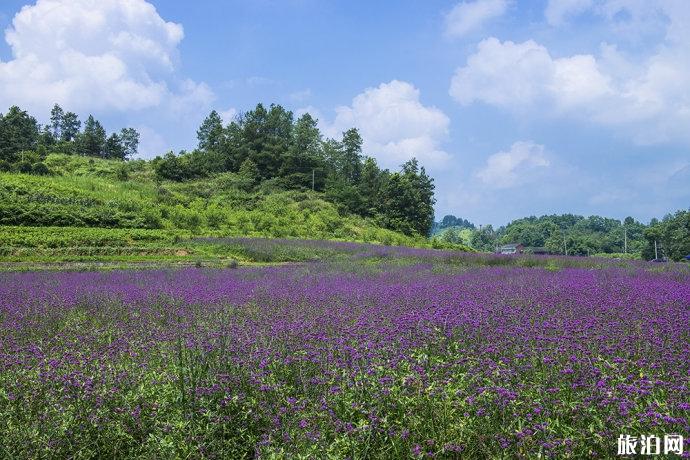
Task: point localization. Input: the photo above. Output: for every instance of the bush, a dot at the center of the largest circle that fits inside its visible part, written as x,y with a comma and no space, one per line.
24,167
40,169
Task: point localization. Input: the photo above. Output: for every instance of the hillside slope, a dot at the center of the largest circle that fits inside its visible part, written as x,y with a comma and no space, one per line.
104,194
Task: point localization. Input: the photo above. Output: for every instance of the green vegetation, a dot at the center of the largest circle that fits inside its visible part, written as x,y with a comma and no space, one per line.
67,195
75,247
577,235
202,206
24,143
672,237
264,161
266,174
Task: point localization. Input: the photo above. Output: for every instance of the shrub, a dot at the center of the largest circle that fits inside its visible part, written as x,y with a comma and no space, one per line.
40,169
24,167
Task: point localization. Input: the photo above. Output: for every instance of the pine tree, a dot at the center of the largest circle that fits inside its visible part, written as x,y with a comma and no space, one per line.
303,162
129,137
406,201
92,140
307,137
352,155
370,185
113,148
210,133
267,135
19,131
249,174
69,127
56,120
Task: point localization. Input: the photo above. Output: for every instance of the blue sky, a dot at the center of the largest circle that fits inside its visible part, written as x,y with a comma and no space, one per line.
515,107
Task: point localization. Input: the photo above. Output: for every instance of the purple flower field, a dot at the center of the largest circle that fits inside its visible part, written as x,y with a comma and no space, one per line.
343,360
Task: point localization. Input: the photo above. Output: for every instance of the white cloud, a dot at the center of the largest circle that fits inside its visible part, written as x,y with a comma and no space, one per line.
95,55
394,125
503,74
644,98
629,17
300,96
577,82
520,75
228,115
513,167
466,17
151,143
558,10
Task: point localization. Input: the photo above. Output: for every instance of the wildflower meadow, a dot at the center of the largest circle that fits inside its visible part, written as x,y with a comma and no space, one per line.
369,356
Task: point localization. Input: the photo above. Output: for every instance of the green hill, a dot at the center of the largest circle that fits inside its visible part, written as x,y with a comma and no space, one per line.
94,208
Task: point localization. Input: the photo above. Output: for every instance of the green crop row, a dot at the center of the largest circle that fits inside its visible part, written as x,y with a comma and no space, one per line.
67,237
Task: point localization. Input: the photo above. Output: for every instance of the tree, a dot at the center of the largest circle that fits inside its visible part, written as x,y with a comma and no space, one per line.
370,185
352,155
210,134
422,185
170,167
249,174
332,153
129,137
302,160
69,127
18,132
455,235
344,194
56,120
450,221
235,150
307,137
672,236
92,140
203,163
113,148
267,135
45,138
484,239
406,201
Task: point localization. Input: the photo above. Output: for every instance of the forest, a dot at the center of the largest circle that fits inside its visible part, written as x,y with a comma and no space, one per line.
578,235
268,147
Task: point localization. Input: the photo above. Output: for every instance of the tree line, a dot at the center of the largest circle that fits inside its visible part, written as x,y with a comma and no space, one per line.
24,142
578,235
267,147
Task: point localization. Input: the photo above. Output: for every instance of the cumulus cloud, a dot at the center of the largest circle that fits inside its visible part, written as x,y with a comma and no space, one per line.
467,17
394,125
514,167
95,55
519,75
644,97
